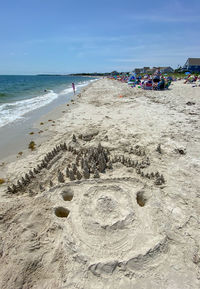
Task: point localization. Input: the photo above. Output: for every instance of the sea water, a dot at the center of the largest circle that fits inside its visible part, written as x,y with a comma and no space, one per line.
21,94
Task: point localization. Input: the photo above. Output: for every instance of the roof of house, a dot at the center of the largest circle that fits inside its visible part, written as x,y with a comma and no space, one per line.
151,69
193,61
165,67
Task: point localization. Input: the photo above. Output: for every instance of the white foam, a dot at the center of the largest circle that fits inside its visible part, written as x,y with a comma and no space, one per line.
78,86
10,112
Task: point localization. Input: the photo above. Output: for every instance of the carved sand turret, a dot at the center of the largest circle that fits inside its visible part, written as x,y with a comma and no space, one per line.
31,193
27,177
157,175
86,164
86,172
57,148
93,168
61,177
78,174
41,188
71,175
35,171
99,148
14,189
158,149
162,179
152,175
24,182
38,168
74,168
65,146
19,184
129,162
96,174
138,171
159,181
42,164
67,172
82,163
147,176
31,174
77,160
101,163
109,166
132,164
9,189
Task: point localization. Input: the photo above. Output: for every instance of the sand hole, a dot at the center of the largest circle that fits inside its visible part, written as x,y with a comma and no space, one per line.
141,200
67,195
61,212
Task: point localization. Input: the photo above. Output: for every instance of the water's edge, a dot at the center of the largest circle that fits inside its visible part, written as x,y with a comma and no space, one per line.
15,136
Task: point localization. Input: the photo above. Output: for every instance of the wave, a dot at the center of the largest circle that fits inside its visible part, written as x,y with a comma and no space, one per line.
78,86
12,111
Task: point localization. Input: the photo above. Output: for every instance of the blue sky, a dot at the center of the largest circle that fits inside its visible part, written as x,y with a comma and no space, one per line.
64,36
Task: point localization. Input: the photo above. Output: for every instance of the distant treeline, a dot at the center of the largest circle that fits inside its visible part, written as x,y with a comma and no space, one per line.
87,74
94,74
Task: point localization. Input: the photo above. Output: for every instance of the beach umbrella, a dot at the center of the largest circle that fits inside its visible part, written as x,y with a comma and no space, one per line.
186,73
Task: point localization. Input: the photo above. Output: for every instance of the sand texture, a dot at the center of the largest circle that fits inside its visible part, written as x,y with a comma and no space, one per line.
111,199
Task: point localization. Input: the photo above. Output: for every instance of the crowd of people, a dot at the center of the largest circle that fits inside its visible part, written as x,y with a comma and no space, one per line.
192,78
157,81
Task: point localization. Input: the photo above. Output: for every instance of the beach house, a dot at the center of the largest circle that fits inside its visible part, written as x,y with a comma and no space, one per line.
166,69
192,65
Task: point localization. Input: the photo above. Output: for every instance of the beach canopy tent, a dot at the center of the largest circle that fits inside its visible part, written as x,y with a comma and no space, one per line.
132,76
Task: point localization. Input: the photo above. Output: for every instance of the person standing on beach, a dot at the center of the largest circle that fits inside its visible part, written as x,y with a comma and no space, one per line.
73,87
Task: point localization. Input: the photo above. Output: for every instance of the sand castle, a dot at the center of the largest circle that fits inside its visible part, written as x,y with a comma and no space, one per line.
88,161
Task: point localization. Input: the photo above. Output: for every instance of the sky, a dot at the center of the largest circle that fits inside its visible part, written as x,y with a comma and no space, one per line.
72,36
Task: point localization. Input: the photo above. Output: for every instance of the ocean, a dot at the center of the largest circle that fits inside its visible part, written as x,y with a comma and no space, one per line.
21,94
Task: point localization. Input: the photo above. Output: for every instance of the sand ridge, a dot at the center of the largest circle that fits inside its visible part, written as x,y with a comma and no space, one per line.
130,217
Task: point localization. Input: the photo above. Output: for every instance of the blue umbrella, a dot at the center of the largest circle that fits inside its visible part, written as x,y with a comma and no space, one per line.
186,73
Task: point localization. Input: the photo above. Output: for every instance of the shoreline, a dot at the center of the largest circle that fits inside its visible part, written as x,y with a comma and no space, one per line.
17,135
131,217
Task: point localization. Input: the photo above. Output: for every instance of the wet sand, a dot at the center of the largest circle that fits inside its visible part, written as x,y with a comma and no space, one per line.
34,126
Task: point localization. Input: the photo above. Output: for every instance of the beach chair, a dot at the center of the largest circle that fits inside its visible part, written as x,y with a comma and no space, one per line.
147,85
167,85
161,85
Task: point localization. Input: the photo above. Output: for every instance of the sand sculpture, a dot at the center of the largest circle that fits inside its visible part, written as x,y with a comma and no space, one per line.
87,163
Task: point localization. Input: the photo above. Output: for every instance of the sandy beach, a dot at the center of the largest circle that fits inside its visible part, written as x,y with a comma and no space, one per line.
110,197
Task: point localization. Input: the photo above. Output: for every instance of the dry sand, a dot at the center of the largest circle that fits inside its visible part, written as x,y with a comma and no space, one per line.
137,226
